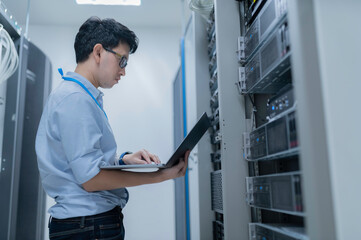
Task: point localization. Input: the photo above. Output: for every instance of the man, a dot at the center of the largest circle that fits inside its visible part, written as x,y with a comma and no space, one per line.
74,140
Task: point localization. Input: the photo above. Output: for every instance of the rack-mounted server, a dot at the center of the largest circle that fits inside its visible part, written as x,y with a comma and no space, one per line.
269,17
276,192
252,9
270,68
276,139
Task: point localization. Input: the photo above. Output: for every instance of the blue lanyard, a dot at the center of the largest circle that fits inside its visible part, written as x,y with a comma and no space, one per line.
82,85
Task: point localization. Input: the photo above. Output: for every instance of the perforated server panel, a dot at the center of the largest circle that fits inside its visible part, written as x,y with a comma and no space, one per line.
278,138
217,198
280,192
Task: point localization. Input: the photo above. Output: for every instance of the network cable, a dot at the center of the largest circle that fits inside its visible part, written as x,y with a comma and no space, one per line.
9,59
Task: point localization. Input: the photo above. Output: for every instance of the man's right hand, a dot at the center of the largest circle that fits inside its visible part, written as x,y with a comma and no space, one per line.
176,171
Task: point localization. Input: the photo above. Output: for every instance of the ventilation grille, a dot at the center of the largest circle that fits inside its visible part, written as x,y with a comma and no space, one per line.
217,199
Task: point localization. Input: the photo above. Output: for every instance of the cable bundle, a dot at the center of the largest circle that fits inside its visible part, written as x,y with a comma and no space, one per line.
9,59
203,7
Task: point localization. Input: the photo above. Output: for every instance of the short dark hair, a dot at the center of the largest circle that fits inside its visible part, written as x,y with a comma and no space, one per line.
107,32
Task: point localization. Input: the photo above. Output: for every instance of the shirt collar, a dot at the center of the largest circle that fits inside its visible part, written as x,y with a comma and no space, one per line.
93,90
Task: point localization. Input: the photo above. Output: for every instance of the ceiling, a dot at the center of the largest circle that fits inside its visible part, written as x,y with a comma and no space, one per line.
151,13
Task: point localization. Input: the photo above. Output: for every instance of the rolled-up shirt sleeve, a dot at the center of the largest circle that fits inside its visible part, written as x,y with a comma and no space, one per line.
79,123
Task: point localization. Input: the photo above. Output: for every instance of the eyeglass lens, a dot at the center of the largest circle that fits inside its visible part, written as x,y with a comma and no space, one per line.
123,62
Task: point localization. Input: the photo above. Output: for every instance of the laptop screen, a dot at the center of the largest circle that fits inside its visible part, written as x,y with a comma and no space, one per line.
191,139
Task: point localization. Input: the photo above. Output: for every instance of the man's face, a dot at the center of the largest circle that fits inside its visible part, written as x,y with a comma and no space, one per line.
110,72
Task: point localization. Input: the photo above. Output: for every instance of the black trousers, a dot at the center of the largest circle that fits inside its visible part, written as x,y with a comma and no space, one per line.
103,226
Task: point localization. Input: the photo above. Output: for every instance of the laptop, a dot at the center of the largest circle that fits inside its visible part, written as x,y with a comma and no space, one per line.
188,143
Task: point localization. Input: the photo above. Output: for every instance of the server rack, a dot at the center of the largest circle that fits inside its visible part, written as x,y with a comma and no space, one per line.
12,134
291,111
197,58
31,196
22,199
254,177
274,186
223,213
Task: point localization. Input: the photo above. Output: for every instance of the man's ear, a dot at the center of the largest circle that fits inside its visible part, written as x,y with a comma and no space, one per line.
97,49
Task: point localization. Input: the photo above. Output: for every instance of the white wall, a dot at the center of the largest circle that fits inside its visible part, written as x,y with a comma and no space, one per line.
140,111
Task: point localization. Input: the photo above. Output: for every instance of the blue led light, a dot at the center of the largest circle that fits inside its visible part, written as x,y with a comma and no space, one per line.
264,238
260,188
251,68
273,107
257,139
250,36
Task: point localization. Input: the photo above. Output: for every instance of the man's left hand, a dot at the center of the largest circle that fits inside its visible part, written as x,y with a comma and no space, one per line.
141,157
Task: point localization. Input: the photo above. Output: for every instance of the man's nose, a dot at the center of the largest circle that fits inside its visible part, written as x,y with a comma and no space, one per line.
122,72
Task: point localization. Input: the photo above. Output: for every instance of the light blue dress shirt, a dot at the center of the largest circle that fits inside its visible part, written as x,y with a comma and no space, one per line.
74,139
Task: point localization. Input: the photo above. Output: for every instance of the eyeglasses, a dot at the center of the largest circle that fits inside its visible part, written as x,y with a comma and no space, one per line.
123,60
